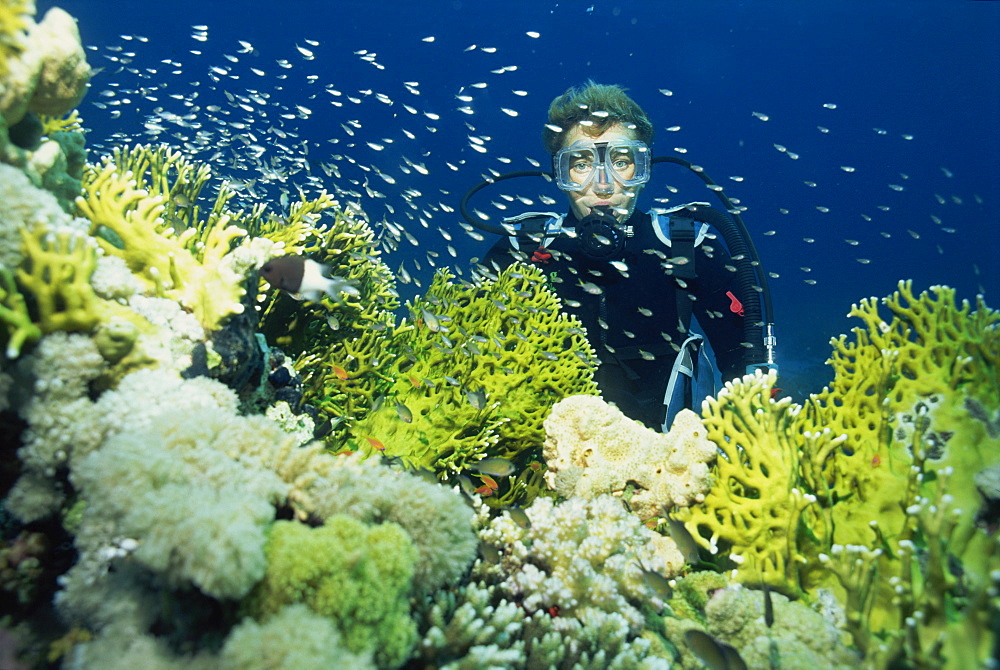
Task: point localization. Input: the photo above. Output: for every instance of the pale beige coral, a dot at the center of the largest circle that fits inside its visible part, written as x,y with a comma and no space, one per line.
50,76
592,448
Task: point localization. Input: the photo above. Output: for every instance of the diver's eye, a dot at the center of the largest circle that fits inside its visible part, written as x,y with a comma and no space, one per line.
621,164
581,166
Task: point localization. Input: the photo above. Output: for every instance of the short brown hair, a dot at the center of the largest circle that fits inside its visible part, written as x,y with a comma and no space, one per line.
579,103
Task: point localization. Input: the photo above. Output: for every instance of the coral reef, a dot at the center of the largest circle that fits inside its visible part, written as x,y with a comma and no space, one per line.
169,507
591,448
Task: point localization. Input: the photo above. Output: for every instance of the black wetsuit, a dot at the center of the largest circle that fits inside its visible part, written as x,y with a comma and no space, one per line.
629,318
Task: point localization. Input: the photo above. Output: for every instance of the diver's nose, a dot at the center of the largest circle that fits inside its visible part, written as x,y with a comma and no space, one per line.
602,183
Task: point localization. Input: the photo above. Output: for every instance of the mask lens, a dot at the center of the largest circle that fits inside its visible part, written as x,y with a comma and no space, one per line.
575,167
623,161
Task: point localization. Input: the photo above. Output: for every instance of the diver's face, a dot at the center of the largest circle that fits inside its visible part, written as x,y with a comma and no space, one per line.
603,190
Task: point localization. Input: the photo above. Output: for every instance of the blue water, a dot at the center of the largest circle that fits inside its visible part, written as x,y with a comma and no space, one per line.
911,88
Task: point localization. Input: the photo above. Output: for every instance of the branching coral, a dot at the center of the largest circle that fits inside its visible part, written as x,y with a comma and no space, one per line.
57,273
561,588
758,500
165,260
13,23
578,557
477,628
14,315
882,463
60,124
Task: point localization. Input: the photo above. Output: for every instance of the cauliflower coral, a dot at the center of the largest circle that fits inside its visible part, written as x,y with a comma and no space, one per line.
592,448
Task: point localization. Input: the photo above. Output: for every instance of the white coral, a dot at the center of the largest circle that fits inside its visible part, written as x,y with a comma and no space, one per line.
579,556
591,448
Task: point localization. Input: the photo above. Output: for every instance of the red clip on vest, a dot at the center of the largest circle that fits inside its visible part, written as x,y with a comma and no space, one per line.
541,256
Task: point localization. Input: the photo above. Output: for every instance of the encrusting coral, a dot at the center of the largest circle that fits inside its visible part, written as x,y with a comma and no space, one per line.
592,448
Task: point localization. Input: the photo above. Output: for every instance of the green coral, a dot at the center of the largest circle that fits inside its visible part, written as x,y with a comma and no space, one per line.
472,374
357,575
868,488
293,639
56,272
798,637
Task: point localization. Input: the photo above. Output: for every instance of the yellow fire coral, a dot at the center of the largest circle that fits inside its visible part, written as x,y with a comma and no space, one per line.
591,448
347,246
12,27
14,315
134,215
473,375
868,489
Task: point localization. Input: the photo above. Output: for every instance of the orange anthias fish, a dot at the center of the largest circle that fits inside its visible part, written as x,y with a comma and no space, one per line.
489,486
376,444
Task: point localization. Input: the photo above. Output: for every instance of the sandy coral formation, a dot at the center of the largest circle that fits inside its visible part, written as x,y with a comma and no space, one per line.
591,448
50,74
44,71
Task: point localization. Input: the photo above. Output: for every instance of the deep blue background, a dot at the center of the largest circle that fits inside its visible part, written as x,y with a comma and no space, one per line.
906,67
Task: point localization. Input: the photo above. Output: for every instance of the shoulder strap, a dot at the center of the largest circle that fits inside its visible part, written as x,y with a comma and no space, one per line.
682,243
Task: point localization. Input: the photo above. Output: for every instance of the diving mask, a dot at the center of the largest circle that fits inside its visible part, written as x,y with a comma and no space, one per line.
626,162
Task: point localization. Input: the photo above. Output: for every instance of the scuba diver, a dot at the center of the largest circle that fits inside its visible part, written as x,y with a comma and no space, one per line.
640,282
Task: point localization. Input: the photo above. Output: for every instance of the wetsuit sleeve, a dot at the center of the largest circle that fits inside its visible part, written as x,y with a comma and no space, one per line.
716,276
500,255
